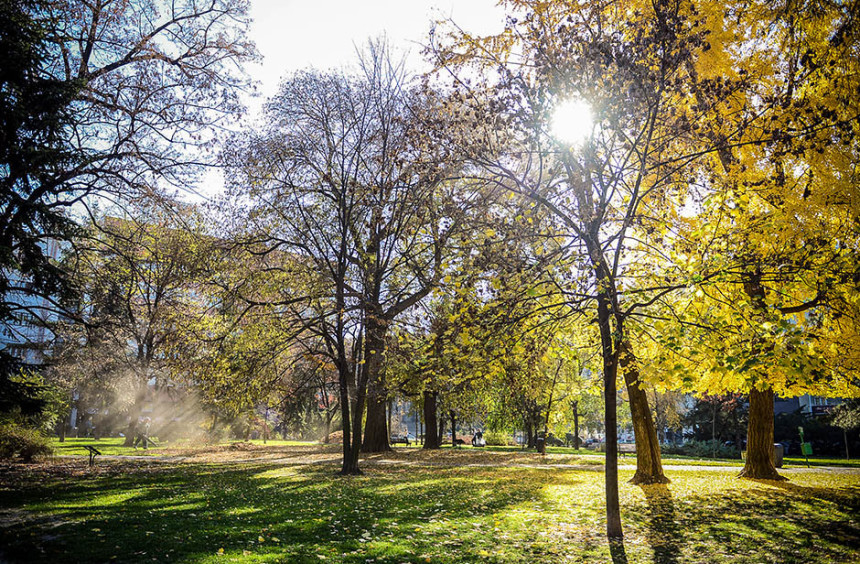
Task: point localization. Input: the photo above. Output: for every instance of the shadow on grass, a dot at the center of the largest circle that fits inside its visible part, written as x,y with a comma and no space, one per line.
776,522
270,512
662,531
617,552
266,512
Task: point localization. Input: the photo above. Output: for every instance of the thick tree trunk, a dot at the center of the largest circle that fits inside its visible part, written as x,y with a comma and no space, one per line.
131,430
432,440
376,437
649,468
453,429
376,427
759,463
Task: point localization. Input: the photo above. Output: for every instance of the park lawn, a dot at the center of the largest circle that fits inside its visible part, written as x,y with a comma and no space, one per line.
800,462
140,511
107,446
113,446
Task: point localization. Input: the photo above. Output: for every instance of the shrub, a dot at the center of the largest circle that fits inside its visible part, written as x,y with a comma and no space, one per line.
495,438
27,444
703,449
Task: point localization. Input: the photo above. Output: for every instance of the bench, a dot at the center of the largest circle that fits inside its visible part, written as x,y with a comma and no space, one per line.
93,452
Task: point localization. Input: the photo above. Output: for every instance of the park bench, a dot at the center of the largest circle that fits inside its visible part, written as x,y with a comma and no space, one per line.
93,452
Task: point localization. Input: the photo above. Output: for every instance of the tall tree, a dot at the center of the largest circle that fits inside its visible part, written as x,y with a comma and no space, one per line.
616,190
775,224
105,97
140,278
34,117
343,181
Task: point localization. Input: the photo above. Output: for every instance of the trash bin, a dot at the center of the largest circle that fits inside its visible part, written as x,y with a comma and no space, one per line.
778,454
541,445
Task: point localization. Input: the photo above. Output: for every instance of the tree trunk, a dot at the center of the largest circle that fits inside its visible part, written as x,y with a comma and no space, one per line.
131,430
759,463
609,355
432,440
453,429
531,435
351,453
576,425
349,464
714,428
441,429
649,468
389,407
376,436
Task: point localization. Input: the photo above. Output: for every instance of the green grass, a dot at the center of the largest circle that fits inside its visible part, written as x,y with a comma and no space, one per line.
113,446
561,455
266,512
800,462
107,446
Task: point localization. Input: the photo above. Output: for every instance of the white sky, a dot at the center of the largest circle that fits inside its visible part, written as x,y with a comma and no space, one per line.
296,34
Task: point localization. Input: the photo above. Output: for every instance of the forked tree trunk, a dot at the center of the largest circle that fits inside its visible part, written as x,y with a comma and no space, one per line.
759,463
351,452
649,468
432,440
349,462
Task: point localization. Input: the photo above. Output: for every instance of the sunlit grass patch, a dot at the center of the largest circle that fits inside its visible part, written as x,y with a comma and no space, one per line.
108,446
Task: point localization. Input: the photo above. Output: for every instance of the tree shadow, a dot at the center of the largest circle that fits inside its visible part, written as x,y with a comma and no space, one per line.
617,552
661,528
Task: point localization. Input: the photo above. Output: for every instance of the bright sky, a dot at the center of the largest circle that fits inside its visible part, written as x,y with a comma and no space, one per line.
296,34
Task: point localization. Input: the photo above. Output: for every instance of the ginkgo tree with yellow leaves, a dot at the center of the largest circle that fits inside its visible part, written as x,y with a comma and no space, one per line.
772,223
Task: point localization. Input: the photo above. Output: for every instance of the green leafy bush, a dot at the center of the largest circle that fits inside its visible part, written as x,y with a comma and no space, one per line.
22,442
703,449
495,438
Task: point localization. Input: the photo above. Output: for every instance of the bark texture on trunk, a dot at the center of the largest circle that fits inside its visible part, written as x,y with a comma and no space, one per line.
376,438
610,414
759,463
376,427
649,468
432,440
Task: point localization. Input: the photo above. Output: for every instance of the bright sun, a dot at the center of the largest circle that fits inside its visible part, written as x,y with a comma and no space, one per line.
571,121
